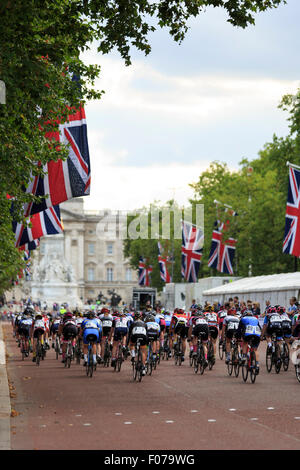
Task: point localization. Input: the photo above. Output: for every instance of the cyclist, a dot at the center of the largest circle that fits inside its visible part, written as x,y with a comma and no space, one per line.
286,324
212,320
119,332
198,326
153,333
229,328
107,322
179,327
160,320
67,330
90,326
272,325
138,330
24,327
54,329
37,329
222,313
249,330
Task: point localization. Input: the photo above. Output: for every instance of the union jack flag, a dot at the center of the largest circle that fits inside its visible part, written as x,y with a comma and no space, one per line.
164,273
291,241
191,251
43,223
144,273
221,254
31,245
64,179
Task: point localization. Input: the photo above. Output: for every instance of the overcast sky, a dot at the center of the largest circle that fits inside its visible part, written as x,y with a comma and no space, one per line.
167,116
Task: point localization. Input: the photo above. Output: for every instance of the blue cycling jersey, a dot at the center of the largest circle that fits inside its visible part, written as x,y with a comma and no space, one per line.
250,326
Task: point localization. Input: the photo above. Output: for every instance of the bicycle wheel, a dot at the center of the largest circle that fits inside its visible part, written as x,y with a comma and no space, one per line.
285,357
90,365
245,370
252,366
210,356
297,371
38,354
269,359
236,362
278,361
221,351
140,366
119,359
202,360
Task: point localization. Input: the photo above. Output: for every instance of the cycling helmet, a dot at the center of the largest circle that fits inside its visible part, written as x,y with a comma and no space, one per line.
104,310
68,315
248,313
150,318
91,314
271,310
28,311
38,316
137,316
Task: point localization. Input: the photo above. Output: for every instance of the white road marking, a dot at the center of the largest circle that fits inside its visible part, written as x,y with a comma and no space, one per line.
271,408
169,422
194,411
253,419
232,409
156,412
211,420
87,424
128,422
118,414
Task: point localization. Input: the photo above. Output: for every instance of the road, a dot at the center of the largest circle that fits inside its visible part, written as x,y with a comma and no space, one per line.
58,408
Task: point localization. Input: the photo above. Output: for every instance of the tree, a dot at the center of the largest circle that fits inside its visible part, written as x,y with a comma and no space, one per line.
40,44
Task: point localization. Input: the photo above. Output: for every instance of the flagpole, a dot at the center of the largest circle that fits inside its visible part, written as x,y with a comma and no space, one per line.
292,165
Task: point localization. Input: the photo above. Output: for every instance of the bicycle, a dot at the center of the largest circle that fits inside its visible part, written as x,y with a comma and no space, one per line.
210,354
285,356
137,365
24,347
69,353
107,354
57,348
273,355
199,359
119,358
178,352
90,366
234,363
250,366
222,349
151,362
166,348
40,350
78,351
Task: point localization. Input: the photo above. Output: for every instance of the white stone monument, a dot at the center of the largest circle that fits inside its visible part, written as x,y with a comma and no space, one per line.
53,279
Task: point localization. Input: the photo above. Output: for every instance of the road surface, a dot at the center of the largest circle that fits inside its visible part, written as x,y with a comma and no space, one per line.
58,408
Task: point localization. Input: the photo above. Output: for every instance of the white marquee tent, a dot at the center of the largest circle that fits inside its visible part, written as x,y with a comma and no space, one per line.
278,288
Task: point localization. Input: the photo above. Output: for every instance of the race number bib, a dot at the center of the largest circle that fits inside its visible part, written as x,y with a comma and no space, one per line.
232,326
26,322
139,330
201,321
107,323
275,319
252,330
90,324
39,324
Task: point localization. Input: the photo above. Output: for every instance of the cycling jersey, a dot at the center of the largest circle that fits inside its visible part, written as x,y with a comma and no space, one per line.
107,323
138,329
153,330
231,324
92,330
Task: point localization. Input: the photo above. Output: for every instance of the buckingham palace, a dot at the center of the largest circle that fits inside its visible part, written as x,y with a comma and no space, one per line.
85,260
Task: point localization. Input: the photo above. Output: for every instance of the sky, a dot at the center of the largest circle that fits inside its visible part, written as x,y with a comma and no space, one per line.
165,118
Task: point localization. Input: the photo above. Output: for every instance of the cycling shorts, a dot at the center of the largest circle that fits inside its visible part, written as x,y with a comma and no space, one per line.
230,333
274,329
254,338
91,334
106,331
182,331
69,331
37,332
120,333
144,339
201,330
24,331
213,332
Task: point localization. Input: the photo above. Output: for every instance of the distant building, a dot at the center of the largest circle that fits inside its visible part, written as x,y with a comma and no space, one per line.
94,248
